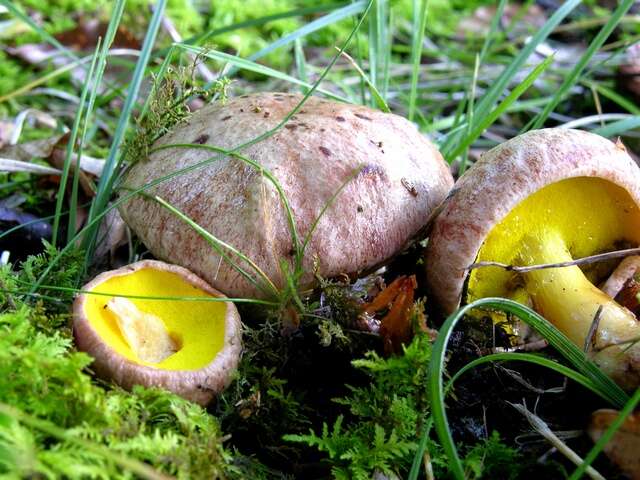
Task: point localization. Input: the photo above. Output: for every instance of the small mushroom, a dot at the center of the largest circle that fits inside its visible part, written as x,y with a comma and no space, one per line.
189,347
547,196
393,179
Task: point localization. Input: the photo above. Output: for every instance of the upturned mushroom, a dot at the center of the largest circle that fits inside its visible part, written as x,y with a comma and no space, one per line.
386,177
190,346
547,196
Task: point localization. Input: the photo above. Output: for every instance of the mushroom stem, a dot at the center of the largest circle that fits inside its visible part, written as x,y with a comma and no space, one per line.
570,301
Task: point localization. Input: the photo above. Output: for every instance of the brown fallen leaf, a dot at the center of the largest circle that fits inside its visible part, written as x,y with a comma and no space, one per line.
396,327
624,448
53,150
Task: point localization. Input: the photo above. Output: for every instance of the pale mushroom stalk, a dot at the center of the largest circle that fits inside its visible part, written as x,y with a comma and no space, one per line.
568,299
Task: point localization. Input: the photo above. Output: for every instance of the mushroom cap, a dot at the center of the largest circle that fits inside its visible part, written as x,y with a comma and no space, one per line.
200,369
504,177
393,180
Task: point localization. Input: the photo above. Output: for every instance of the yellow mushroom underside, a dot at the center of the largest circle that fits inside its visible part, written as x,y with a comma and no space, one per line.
590,215
198,327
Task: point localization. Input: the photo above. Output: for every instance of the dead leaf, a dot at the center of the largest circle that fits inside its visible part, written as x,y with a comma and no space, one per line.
396,327
8,165
624,448
85,36
53,150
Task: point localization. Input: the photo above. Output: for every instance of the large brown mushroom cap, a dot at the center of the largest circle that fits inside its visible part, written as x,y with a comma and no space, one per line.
196,384
503,178
401,180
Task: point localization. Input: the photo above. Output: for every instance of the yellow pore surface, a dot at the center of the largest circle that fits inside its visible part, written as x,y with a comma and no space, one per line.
198,327
591,215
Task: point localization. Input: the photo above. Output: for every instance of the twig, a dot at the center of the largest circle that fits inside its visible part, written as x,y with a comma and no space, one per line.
578,261
543,429
589,341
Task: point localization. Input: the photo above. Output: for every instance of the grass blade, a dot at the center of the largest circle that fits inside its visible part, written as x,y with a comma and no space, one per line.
619,127
486,121
71,143
572,78
250,66
106,180
497,88
417,35
555,338
537,360
606,437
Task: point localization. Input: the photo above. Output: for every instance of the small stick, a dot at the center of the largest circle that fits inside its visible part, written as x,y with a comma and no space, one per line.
543,429
589,341
578,261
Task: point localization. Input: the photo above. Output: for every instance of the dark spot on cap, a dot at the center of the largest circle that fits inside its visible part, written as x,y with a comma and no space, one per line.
302,111
201,139
227,117
279,99
341,119
266,114
290,126
325,151
242,110
360,209
371,170
364,117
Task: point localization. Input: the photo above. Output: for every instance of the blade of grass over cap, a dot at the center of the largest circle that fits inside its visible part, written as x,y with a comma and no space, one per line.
556,339
107,178
221,246
491,96
574,76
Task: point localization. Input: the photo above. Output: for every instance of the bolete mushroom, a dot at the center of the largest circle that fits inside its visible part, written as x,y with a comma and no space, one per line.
544,197
392,179
190,346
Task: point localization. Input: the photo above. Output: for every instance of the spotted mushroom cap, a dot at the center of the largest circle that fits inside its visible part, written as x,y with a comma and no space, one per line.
504,177
199,385
393,179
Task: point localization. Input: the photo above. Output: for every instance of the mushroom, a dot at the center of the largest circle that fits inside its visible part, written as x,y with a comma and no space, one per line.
190,347
547,196
392,178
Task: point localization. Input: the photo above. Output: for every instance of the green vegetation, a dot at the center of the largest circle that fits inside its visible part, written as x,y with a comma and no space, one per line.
466,90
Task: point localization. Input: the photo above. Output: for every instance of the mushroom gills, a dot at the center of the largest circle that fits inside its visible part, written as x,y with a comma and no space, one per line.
145,333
